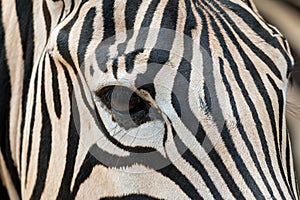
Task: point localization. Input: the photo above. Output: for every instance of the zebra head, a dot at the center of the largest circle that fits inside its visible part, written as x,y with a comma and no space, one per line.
149,99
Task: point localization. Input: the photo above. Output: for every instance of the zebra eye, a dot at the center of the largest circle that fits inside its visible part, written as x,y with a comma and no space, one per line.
128,108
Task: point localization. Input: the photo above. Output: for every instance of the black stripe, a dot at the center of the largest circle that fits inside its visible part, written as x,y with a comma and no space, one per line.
45,145
258,81
131,197
84,172
149,160
82,93
258,29
177,177
86,35
169,20
196,164
285,45
209,87
280,102
62,11
130,58
55,88
130,12
160,53
5,98
25,19
234,68
72,145
216,159
262,90
156,59
102,50
150,13
108,17
190,22
182,86
97,156
290,167
248,4
47,18
115,68
63,38
143,32
221,167
72,5
176,104
166,37
131,9
181,91
102,54
228,140
3,191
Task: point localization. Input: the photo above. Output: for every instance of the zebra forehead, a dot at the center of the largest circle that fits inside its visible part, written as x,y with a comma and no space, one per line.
202,21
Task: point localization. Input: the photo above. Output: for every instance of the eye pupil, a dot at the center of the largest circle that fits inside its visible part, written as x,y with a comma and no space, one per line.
125,101
136,103
128,109
134,100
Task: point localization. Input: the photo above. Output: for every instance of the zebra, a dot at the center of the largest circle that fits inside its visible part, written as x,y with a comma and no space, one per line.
143,99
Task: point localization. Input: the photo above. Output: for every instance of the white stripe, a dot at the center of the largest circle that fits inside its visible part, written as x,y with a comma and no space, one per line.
6,180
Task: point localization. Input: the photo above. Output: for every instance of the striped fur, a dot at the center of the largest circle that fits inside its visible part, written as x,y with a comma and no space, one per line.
58,140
